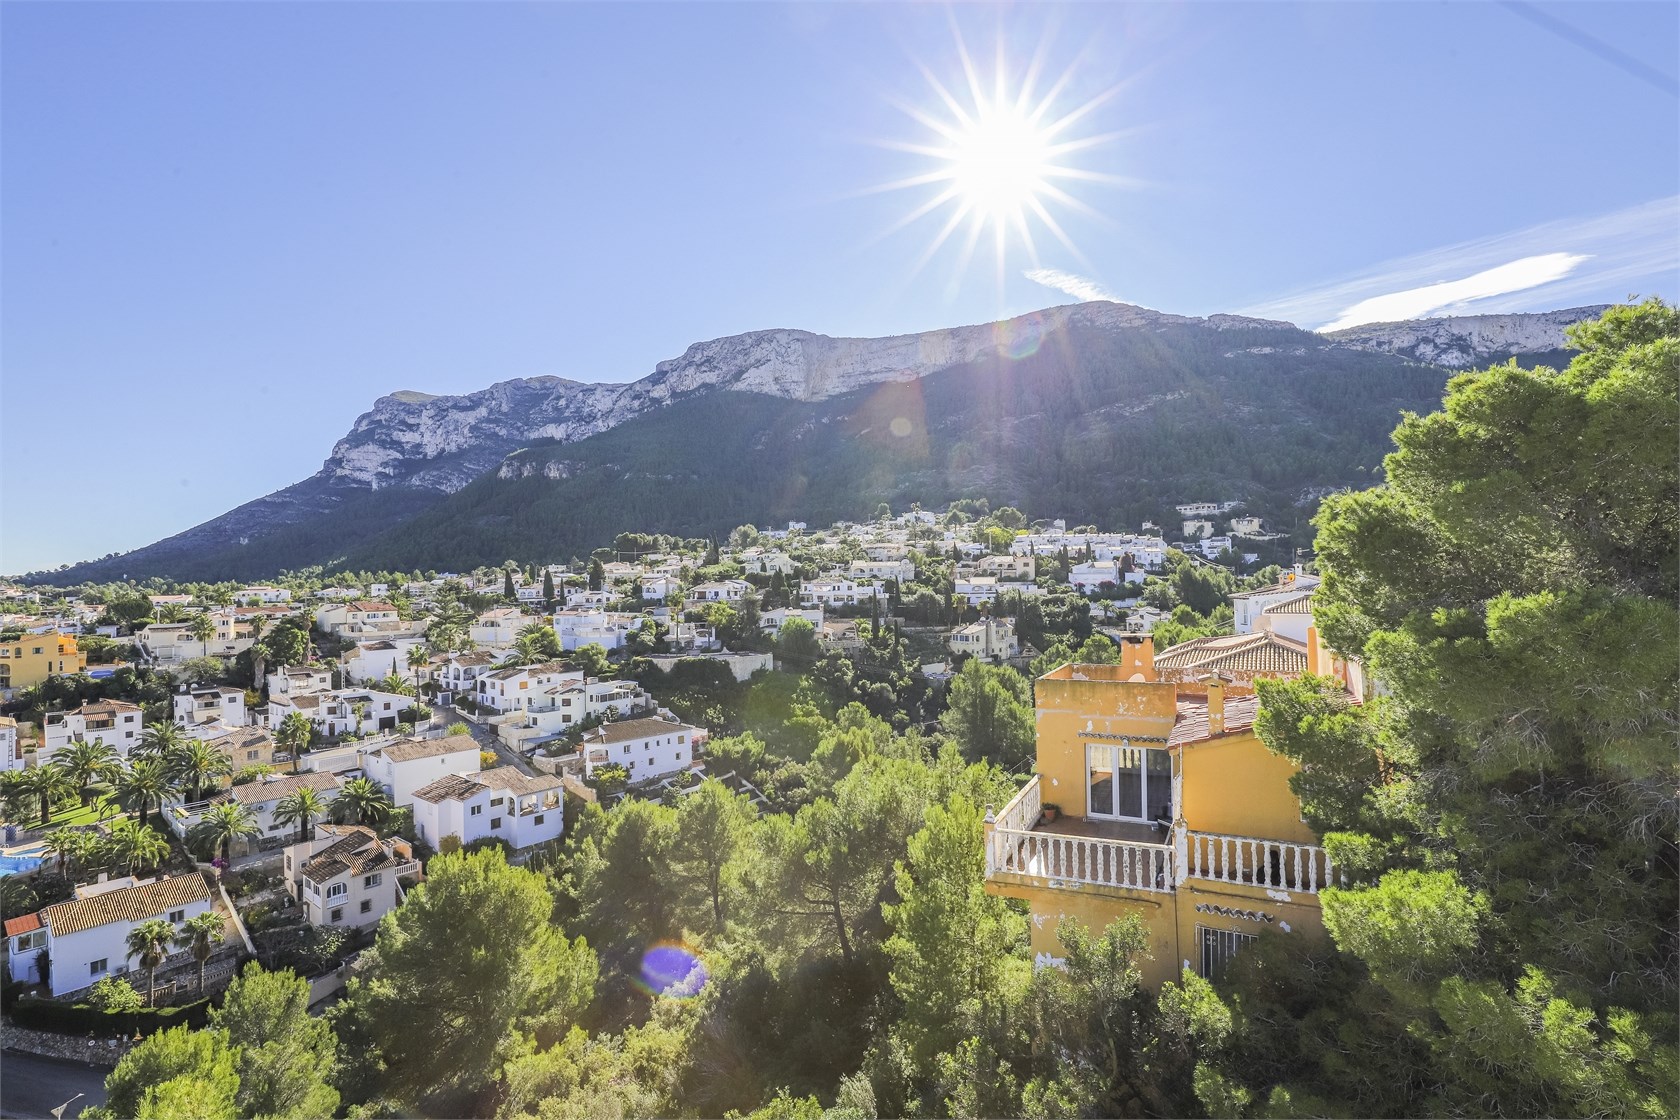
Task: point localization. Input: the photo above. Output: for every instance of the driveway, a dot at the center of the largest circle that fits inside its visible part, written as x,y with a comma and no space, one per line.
31,1086
485,737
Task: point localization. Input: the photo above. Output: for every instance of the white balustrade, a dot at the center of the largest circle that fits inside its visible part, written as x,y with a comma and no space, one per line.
1262,863
1023,810
1080,859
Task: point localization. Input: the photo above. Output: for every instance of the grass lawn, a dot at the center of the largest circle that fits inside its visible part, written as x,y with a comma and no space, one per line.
77,813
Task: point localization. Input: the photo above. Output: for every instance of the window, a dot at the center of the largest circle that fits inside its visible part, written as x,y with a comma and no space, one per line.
538,819
337,914
1218,946
495,823
251,756
477,810
497,800
373,880
338,890
34,939
177,915
367,905
101,965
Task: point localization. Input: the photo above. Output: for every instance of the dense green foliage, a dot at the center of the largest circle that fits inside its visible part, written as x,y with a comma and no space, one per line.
1509,945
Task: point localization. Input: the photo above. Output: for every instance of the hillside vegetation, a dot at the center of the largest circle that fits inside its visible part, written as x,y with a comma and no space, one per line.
1106,427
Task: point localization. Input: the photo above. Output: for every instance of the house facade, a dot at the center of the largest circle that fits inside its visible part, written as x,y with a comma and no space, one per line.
31,659
86,938
647,748
1171,810
114,722
200,706
405,765
503,804
346,876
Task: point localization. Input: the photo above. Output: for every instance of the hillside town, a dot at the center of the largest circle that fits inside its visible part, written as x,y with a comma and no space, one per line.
311,742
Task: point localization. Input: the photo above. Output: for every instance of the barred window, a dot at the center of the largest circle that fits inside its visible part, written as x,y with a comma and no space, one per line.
1218,947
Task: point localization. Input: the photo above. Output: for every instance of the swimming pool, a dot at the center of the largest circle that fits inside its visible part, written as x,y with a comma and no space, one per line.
13,865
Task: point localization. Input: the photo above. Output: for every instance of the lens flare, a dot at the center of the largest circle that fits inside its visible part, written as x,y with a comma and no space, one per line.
674,970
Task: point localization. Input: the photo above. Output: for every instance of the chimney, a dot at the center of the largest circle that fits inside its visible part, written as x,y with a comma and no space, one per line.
1216,704
1137,658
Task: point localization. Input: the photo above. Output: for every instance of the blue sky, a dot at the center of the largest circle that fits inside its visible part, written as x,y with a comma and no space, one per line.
228,228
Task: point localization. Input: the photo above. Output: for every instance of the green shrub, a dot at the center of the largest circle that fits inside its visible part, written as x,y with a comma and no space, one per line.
58,1017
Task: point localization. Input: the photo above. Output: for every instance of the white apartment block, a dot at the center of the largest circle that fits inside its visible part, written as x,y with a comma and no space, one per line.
502,803
114,722
262,594
990,639
11,747
647,748
200,706
299,680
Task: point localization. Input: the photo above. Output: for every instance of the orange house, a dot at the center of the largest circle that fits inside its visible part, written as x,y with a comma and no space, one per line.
1169,809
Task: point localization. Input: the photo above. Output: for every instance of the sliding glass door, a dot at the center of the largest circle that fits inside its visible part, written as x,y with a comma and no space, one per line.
1128,783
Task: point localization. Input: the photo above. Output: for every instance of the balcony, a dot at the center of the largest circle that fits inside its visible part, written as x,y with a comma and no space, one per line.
1074,852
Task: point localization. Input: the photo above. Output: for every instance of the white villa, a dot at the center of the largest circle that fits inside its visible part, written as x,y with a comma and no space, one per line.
86,937
502,803
346,875
114,722
647,748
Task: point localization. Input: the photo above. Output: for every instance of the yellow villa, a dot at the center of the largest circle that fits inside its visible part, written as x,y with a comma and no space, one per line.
1170,809
33,658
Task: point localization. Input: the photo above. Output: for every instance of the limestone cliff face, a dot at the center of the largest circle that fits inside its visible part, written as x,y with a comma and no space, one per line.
1463,341
442,443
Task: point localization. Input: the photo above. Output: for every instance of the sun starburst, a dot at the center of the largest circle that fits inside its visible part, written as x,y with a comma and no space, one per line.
996,155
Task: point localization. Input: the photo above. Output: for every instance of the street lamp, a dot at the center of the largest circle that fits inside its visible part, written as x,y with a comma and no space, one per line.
58,1113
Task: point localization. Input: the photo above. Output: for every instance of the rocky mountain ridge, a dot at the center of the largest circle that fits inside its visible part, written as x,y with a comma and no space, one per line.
412,449
443,442
1463,341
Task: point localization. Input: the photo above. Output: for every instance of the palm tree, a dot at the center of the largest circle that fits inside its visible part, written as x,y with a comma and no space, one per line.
48,783
362,800
259,651
222,824
294,734
144,784
159,740
393,683
138,846
300,807
87,763
418,659
150,941
194,762
67,844
201,934
202,628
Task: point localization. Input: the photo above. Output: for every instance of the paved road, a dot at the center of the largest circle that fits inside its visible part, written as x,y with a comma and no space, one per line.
486,737
31,1087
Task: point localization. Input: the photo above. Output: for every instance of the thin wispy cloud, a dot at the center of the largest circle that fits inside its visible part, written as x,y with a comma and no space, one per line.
1067,283
1449,295
1556,264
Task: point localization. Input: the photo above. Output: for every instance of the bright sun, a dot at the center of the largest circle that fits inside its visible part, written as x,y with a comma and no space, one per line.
995,158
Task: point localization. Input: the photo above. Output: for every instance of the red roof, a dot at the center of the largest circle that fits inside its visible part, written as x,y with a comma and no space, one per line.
27,922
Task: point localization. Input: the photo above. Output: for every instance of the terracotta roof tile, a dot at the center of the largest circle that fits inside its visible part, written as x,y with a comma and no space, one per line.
404,750
128,904
22,924
358,851
625,730
454,787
